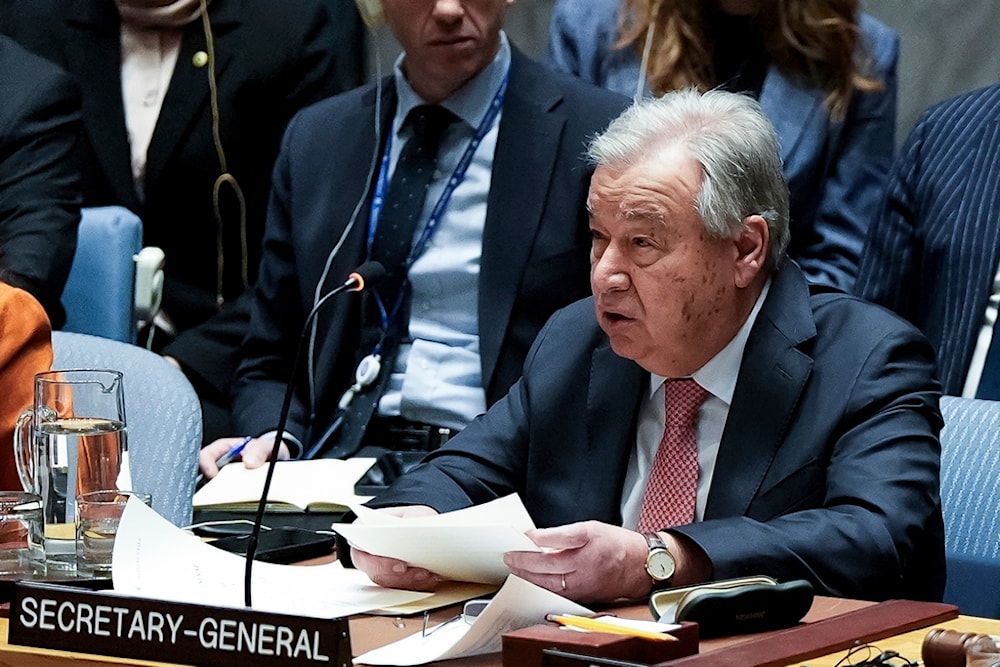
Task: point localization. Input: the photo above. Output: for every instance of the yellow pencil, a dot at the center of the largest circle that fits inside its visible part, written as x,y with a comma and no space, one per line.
597,625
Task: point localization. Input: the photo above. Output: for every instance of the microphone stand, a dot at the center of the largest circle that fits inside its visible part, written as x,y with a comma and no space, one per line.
366,275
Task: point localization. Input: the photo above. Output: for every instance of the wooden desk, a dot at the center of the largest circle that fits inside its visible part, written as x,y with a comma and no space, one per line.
908,644
368,632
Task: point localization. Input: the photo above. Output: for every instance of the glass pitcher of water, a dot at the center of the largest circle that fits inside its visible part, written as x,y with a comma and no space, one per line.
71,441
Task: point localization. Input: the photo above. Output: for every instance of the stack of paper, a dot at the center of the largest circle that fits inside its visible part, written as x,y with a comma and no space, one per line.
155,559
519,604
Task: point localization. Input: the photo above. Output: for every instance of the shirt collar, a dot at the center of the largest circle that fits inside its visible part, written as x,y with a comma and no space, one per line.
719,374
470,103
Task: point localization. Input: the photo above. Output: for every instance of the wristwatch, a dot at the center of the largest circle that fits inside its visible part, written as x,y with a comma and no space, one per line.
660,563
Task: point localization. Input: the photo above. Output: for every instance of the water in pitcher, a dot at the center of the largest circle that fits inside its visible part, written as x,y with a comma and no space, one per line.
87,451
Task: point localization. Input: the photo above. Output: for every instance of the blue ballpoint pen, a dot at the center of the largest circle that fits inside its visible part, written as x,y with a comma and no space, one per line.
226,458
234,452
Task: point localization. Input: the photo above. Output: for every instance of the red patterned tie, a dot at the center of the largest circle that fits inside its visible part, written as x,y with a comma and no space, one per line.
672,490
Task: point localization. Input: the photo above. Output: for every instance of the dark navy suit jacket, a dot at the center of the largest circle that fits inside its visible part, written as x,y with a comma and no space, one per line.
828,469
536,241
39,175
933,252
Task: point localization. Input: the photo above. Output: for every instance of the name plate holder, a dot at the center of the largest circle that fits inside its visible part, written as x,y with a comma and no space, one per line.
69,618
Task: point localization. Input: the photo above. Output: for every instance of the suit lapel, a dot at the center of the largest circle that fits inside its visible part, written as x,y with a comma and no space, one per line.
93,51
188,92
353,181
794,111
772,377
362,143
527,145
613,395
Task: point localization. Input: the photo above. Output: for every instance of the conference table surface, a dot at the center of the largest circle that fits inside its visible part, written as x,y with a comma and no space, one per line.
368,632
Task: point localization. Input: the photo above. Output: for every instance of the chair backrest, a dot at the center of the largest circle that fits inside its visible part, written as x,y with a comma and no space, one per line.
99,296
970,496
163,417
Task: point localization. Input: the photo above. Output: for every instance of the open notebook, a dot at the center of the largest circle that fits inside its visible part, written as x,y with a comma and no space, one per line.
318,485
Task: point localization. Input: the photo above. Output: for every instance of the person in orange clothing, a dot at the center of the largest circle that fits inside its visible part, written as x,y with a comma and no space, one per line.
25,349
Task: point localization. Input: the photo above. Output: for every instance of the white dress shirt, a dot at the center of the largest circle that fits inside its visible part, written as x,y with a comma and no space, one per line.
148,60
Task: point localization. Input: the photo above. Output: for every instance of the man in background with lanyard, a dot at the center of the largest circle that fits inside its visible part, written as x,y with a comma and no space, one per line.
499,240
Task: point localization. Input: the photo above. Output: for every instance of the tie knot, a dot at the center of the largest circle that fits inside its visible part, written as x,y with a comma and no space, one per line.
429,122
683,400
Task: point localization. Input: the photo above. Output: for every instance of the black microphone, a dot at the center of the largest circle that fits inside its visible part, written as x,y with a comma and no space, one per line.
366,275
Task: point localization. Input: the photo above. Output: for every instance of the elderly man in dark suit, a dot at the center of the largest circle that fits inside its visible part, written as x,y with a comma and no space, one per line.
39,175
707,414
933,252
500,242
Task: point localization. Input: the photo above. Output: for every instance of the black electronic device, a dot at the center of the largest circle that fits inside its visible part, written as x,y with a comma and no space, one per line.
281,545
735,606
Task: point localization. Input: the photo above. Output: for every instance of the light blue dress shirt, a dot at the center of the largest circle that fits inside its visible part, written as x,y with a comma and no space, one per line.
438,376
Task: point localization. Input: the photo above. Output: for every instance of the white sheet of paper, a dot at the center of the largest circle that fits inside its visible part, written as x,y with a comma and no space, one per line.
465,545
507,510
519,604
155,559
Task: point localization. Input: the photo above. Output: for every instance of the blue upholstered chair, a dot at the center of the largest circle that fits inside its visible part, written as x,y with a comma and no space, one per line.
970,494
162,413
113,281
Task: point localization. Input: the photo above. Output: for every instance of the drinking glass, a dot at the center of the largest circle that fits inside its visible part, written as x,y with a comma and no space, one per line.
22,549
98,514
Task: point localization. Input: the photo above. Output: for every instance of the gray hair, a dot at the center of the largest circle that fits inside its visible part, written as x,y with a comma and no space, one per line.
729,136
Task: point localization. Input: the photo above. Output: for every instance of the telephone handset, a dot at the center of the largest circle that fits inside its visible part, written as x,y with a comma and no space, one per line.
371,13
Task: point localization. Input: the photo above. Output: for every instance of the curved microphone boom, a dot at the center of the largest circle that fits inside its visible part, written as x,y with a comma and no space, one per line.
367,275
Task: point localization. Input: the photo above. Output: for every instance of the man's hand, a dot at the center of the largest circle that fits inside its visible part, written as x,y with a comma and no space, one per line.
392,573
588,562
254,455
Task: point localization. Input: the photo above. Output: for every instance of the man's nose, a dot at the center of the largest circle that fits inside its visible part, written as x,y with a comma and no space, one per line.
608,272
448,9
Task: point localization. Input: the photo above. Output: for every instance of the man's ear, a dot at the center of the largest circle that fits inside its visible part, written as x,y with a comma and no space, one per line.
751,248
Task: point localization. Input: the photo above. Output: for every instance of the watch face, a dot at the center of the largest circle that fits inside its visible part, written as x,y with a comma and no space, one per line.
660,565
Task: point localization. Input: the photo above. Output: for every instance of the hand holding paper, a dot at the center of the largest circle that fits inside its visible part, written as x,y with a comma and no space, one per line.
466,545
585,561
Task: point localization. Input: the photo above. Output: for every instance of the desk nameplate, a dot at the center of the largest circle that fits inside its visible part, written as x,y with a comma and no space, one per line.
71,619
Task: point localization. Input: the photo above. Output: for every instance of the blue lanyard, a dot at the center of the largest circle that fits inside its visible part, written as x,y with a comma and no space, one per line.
457,176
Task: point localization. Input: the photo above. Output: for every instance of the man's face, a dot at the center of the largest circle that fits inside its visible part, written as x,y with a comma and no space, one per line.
447,42
667,294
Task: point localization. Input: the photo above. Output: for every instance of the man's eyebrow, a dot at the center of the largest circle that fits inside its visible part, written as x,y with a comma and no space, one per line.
642,213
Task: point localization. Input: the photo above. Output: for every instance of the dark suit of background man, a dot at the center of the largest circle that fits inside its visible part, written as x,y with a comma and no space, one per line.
273,57
817,447
39,175
510,248
932,254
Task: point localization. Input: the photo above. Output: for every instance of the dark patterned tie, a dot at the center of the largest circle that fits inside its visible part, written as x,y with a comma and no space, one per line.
397,225
404,199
